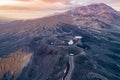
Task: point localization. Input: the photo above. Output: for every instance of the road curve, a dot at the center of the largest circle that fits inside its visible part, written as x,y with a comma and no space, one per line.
71,63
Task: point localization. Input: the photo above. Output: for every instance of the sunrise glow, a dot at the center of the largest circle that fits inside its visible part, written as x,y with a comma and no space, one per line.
28,9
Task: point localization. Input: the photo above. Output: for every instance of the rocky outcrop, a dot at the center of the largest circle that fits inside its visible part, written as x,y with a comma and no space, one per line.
14,63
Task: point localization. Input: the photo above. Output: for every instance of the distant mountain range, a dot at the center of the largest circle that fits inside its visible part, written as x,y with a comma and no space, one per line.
79,44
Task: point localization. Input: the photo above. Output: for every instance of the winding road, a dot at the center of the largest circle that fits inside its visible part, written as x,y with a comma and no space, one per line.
71,63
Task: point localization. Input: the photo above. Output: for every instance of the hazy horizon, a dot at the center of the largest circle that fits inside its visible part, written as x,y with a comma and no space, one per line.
31,9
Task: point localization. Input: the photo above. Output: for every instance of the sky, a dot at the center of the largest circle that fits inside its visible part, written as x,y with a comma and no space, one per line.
30,9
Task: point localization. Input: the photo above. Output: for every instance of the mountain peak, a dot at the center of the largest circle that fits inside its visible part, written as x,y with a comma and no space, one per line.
98,4
92,9
101,6
100,10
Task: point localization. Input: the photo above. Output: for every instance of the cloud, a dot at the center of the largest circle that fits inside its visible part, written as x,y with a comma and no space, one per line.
38,5
13,8
24,0
47,1
55,1
32,9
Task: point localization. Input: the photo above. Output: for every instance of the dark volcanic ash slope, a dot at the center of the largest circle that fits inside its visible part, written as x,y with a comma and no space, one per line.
80,44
